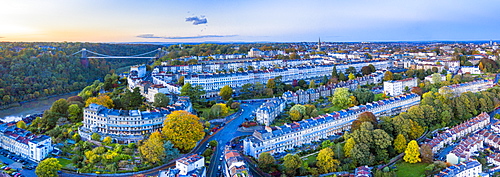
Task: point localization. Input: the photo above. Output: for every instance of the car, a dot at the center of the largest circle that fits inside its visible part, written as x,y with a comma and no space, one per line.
218,167
7,168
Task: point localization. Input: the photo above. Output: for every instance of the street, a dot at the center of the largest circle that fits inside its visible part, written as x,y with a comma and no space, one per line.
225,135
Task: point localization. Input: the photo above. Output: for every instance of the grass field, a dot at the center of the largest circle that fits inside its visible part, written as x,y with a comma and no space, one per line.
378,96
410,170
64,162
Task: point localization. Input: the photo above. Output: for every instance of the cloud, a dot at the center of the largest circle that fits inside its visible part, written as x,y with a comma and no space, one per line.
184,37
197,20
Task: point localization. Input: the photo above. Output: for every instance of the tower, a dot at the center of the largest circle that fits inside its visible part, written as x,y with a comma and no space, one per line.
319,44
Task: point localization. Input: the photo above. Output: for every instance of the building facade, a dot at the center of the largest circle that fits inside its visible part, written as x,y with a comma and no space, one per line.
280,138
24,143
126,126
397,87
266,113
189,166
473,86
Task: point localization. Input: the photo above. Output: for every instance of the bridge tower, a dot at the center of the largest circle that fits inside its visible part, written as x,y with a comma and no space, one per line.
84,60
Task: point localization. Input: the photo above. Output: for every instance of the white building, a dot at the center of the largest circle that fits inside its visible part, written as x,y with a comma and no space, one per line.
190,166
464,169
269,110
126,126
473,86
280,138
234,164
138,71
469,69
396,87
24,143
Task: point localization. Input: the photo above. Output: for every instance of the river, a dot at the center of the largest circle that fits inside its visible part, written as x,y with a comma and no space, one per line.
32,107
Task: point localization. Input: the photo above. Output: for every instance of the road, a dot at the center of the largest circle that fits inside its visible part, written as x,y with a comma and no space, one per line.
222,136
225,134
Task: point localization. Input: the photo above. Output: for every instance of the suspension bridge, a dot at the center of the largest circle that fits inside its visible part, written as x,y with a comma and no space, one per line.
86,54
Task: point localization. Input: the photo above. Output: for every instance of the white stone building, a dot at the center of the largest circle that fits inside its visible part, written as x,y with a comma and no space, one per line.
24,143
394,88
269,110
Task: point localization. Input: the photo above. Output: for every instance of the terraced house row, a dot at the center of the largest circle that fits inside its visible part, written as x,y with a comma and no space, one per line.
459,131
280,138
213,82
473,86
24,143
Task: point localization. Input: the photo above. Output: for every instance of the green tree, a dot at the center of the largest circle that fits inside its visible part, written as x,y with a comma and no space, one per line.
348,146
335,74
366,70
412,152
312,84
161,100
193,93
342,77
48,168
21,124
341,98
60,107
400,143
388,76
364,117
183,129
266,161
291,163
152,149
271,84
326,162
363,95
75,113
226,92
96,137
373,69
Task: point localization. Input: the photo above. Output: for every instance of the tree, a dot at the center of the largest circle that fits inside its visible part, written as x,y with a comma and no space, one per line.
436,78
152,149
366,70
291,163
351,76
266,161
302,83
388,76
107,140
48,168
326,162
412,152
170,151
271,84
103,100
342,77
335,74
60,107
21,124
226,92
161,100
364,117
75,113
193,93
183,129
181,81
312,84
400,143
96,137
381,139
341,98
295,115
363,95
373,69
426,153
348,146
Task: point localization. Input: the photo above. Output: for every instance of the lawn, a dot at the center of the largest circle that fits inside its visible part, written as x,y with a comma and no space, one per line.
409,170
64,162
378,96
311,159
329,110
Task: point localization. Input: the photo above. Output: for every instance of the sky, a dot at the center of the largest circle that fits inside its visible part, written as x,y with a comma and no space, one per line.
248,21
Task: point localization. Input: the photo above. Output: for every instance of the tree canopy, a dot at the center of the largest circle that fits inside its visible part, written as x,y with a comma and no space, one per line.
48,168
183,129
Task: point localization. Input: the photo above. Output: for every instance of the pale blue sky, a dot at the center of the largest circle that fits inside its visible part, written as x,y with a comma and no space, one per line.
248,21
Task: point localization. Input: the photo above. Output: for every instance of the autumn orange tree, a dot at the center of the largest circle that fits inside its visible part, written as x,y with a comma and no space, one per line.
183,129
104,100
152,149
